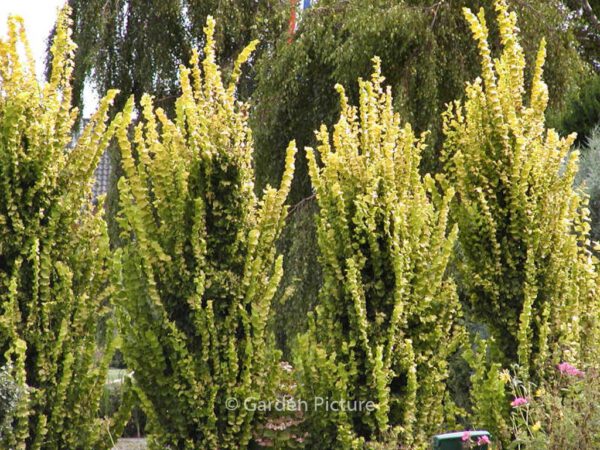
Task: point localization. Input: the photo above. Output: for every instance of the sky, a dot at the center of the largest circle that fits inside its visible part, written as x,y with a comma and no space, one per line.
39,16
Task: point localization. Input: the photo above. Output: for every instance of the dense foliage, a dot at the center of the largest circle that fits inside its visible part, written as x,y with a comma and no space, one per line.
582,113
525,256
372,244
136,46
198,271
385,303
53,253
588,179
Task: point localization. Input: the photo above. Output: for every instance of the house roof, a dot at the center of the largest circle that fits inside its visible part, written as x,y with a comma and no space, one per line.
102,176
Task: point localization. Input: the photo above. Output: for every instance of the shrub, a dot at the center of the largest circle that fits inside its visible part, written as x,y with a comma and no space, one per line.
582,113
198,269
525,260
385,304
53,253
489,407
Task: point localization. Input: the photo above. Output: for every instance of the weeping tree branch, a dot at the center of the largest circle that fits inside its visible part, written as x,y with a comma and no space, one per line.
590,15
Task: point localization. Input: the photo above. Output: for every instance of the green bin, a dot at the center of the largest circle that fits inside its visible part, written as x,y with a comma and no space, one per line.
453,441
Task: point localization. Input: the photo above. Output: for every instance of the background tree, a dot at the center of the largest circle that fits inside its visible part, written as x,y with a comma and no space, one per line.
583,18
588,179
136,46
582,113
386,303
53,254
198,270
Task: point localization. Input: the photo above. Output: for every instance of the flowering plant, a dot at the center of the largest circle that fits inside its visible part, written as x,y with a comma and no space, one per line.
519,401
563,413
280,427
569,370
474,442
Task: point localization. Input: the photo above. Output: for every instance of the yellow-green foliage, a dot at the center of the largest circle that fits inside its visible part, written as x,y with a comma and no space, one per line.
525,252
199,269
386,320
53,252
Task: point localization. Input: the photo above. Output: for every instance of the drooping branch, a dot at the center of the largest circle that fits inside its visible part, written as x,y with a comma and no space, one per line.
590,15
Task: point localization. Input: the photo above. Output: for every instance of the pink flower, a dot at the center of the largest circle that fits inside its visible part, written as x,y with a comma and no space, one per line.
483,440
568,369
465,436
519,401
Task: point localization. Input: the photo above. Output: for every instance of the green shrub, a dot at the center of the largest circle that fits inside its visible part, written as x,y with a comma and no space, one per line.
53,253
489,408
198,270
385,304
582,113
526,261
